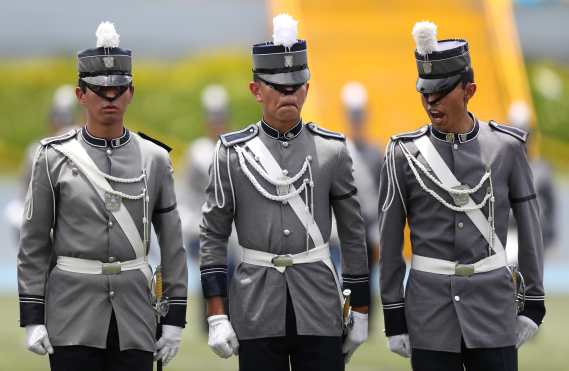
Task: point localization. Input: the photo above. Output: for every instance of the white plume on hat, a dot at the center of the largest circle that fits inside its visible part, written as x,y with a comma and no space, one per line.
354,95
107,36
425,35
64,97
519,115
214,98
285,29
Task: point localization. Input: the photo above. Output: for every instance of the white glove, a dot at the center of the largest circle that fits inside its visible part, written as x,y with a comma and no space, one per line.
37,339
357,334
222,339
168,344
525,329
400,344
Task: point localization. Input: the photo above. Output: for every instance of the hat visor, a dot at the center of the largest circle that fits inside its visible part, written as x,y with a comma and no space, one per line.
430,86
286,78
108,80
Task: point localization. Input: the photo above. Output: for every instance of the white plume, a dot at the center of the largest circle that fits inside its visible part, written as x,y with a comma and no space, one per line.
214,98
285,29
519,115
425,35
64,97
107,36
354,95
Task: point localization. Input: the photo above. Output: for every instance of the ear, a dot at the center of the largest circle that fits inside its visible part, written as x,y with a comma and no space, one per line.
79,94
255,89
470,91
307,86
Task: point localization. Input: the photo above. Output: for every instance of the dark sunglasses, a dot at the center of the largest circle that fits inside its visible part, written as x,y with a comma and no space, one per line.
102,91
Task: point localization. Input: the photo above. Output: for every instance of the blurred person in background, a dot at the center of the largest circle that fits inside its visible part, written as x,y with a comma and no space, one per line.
278,181
94,194
367,160
520,116
64,114
455,181
195,177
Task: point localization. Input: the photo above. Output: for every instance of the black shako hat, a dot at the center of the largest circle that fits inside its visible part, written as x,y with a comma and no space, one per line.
440,64
282,61
107,64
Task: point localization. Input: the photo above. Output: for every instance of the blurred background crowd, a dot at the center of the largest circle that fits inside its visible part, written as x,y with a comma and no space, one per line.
191,70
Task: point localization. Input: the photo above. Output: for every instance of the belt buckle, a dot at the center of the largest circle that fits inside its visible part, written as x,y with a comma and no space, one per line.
282,261
464,270
111,268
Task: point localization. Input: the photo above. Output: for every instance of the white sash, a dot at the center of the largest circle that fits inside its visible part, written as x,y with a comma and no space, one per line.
266,159
446,177
73,150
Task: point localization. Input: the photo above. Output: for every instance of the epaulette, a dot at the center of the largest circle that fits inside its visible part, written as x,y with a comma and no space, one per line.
517,133
155,141
411,134
239,136
59,138
324,132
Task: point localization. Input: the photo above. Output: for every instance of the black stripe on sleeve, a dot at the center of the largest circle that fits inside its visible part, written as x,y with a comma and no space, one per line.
165,210
522,199
343,197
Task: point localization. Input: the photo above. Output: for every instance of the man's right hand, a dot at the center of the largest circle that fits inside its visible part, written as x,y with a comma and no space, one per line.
222,339
37,339
400,344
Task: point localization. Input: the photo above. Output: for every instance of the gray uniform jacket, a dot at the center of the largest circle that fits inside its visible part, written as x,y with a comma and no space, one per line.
438,310
258,295
66,217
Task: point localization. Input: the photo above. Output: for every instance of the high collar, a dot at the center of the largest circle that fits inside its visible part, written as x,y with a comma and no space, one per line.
456,137
104,143
288,135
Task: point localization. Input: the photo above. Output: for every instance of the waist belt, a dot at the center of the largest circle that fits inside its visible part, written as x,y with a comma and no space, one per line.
88,266
281,262
440,266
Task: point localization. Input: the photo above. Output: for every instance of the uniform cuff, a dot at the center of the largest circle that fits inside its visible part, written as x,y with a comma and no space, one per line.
394,318
32,310
214,280
359,285
534,308
176,312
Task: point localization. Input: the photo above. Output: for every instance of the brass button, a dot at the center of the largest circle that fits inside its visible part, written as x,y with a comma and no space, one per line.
109,152
460,225
112,259
285,144
110,223
456,298
111,294
286,232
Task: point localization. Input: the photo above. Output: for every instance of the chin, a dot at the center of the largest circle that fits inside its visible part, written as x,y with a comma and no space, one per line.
288,114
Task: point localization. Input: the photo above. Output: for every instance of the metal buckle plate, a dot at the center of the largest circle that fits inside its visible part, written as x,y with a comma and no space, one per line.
282,261
460,199
112,268
464,270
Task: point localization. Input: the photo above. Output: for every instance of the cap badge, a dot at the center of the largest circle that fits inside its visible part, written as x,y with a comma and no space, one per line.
288,60
427,67
109,62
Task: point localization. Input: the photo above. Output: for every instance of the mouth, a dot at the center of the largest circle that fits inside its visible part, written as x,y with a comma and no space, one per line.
110,109
436,115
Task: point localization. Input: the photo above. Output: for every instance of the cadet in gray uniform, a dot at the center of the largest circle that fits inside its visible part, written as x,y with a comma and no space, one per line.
84,280
454,181
278,180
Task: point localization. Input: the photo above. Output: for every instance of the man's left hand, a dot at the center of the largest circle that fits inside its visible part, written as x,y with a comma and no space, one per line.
357,334
168,344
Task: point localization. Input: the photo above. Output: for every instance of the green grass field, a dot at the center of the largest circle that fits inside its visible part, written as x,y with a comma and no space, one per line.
547,352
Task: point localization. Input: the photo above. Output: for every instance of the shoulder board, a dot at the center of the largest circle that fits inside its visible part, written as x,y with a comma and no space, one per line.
411,134
59,138
239,136
517,133
324,132
155,141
